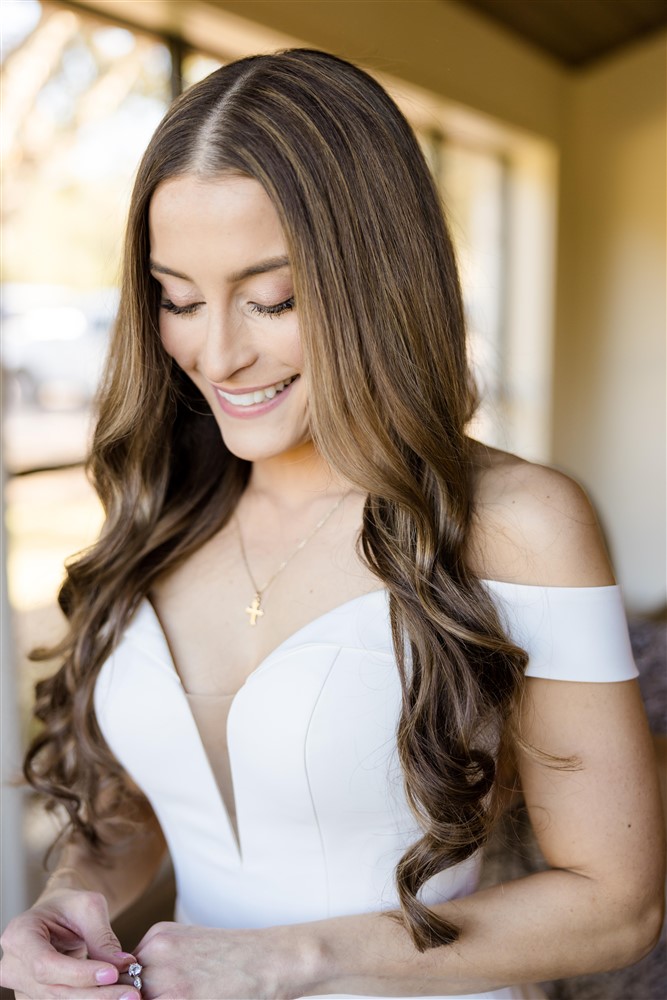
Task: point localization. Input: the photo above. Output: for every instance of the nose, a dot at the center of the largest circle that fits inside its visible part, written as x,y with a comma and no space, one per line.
227,348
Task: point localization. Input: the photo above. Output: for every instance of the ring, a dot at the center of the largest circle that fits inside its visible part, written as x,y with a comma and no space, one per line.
134,971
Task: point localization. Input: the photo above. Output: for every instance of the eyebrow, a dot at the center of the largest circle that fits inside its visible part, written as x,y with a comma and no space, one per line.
270,264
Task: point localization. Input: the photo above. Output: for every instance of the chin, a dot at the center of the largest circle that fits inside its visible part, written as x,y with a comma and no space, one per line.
259,450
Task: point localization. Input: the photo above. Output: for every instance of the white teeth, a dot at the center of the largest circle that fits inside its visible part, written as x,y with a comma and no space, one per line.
251,398
247,399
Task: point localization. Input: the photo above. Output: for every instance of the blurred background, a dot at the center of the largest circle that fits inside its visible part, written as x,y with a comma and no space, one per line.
544,122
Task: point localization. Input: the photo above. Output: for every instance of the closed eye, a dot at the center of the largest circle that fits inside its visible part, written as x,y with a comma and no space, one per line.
188,310
276,310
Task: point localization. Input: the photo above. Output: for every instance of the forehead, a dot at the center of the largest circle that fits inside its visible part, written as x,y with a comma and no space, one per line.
228,214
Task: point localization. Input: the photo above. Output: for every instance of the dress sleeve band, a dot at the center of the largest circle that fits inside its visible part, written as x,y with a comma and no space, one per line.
569,633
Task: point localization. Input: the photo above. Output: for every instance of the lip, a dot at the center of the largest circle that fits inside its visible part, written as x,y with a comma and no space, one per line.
255,409
248,388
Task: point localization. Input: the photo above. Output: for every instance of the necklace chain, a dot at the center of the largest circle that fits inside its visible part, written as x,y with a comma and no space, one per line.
254,610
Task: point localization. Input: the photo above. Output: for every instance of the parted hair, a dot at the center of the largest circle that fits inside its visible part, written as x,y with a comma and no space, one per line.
383,336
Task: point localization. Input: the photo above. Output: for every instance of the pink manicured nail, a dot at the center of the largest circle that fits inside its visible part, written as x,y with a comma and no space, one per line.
129,996
123,955
105,977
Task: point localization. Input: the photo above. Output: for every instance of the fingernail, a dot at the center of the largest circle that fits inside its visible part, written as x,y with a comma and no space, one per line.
129,996
106,976
123,955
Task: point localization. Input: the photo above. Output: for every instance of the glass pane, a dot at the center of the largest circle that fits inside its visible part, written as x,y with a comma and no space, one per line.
472,182
81,99
472,185
197,65
49,516
19,19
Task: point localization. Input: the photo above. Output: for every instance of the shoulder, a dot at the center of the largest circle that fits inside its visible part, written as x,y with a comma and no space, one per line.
533,525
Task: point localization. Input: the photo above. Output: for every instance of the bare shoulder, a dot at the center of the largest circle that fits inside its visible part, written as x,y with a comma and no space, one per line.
534,525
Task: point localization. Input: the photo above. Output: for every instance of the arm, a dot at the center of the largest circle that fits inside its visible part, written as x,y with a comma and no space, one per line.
598,907
65,938
129,866
599,826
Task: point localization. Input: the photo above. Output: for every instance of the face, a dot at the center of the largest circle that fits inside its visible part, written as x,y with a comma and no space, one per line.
227,313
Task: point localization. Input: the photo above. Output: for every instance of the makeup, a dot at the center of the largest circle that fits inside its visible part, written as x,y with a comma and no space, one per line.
272,395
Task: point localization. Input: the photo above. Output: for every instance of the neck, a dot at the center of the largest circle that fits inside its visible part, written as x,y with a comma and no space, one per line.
295,478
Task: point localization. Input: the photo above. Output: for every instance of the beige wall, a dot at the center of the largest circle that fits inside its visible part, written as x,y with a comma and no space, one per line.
609,390
440,46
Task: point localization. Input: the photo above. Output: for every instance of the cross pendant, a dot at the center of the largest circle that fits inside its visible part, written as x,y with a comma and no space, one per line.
254,611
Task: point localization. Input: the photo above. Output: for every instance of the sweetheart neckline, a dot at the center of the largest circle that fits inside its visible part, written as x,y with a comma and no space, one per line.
295,637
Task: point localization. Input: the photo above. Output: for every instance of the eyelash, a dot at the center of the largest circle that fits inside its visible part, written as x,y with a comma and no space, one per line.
277,310
169,307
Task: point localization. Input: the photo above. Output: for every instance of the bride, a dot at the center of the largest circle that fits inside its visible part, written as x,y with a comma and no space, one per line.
324,633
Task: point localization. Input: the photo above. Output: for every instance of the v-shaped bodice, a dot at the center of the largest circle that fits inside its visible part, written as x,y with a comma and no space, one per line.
322,816
320,808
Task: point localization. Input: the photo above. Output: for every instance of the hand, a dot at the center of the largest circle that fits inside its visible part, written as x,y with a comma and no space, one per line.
63,947
182,962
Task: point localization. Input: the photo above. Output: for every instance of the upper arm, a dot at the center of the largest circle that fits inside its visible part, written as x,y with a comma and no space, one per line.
589,779
586,762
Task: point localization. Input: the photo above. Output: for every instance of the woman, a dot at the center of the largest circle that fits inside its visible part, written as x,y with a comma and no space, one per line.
323,731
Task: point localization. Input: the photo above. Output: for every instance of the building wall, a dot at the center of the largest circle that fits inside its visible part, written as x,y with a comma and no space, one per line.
609,374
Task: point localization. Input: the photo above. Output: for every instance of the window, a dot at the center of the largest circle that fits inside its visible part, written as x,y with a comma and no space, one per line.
472,182
81,99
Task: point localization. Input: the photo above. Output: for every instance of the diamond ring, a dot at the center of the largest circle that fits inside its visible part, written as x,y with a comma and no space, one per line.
134,971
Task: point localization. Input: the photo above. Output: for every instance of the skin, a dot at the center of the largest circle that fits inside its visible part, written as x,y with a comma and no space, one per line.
599,827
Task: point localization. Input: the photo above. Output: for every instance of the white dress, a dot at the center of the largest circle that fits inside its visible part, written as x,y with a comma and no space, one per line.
320,809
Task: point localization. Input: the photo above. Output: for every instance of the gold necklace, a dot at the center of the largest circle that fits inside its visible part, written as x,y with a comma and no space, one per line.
254,610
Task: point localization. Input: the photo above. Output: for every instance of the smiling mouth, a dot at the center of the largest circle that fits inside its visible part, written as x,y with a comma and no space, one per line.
259,395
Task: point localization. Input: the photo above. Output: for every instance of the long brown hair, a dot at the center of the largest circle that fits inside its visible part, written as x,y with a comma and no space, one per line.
383,335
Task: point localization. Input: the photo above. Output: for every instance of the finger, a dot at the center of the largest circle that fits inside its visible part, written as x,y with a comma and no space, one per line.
91,916
48,967
162,927
123,960
37,965
30,957
118,992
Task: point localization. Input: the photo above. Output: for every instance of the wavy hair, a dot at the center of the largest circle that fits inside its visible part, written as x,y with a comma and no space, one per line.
383,335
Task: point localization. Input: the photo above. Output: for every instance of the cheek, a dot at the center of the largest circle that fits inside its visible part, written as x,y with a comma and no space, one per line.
179,347
293,350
